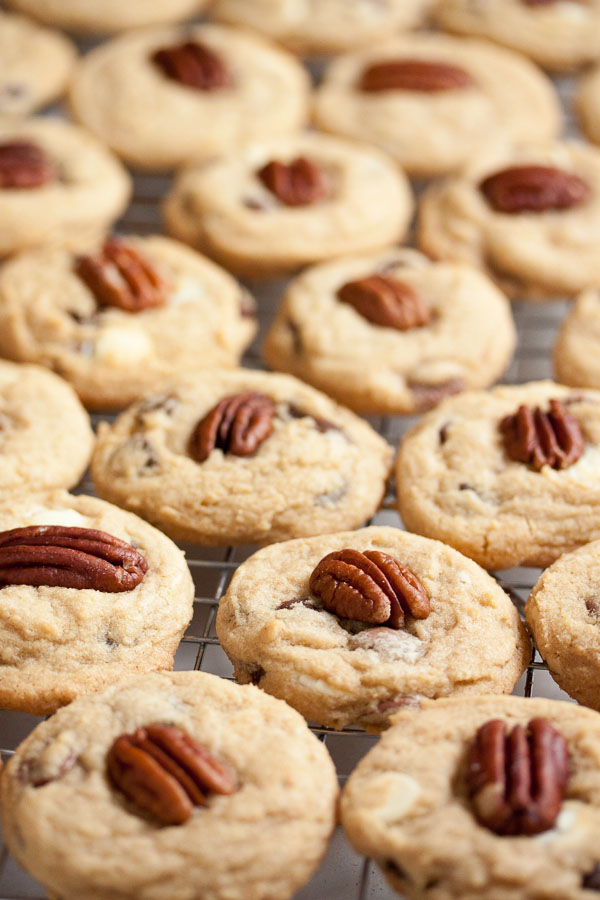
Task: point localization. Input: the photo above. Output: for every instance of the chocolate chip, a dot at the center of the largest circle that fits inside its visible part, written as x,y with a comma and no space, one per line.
83,318
30,771
165,403
322,425
251,203
427,396
297,601
110,642
443,432
463,486
256,673
591,881
391,866
592,604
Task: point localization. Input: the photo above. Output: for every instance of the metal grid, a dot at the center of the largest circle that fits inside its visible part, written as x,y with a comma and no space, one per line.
343,875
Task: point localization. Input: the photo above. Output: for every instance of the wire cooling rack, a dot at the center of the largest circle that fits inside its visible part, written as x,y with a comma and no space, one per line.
343,875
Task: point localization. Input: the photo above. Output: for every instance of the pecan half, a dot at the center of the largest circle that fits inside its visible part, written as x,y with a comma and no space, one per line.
162,771
120,276
238,424
534,189
194,65
543,439
385,301
517,781
24,164
414,75
370,587
299,183
57,556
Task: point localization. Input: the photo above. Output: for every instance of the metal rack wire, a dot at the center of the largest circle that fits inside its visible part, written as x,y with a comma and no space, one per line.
343,875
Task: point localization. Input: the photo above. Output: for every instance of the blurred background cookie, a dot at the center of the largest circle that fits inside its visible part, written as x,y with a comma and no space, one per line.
160,98
108,15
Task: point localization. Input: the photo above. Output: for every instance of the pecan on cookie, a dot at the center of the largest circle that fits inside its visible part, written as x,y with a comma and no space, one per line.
385,301
517,781
237,424
541,439
530,188
301,182
161,770
24,164
58,556
414,75
370,587
121,276
194,65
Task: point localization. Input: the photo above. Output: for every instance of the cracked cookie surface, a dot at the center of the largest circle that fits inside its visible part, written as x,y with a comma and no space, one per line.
46,439
57,642
457,483
407,806
260,843
155,122
339,672
112,356
321,468
467,343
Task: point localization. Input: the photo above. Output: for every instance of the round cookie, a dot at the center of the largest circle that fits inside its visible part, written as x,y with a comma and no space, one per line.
465,478
392,333
434,102
529,217
287,463
35,65
45,435
577,346
62,641
324,26
233,87
261,842
408,805
109,15
340,671
281,204
562,613
57,183
124,317
557,34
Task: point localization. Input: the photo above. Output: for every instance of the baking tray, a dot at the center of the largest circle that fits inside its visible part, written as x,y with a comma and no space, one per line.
343,875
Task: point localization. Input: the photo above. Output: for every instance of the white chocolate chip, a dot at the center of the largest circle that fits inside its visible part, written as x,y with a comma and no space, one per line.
189,290
69,518
391,796
118,346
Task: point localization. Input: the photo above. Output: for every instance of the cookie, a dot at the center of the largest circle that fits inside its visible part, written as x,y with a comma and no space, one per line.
392,333
432,804
124,317
89,595
587,103
508,477
242,457
557,34
562,614
109,15
576,359
434,102
529,217
35,65
160,98
277,205
45,435
298,620
328,26
57,183
252,817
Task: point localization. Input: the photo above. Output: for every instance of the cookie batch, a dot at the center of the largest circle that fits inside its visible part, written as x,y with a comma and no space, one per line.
351,197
